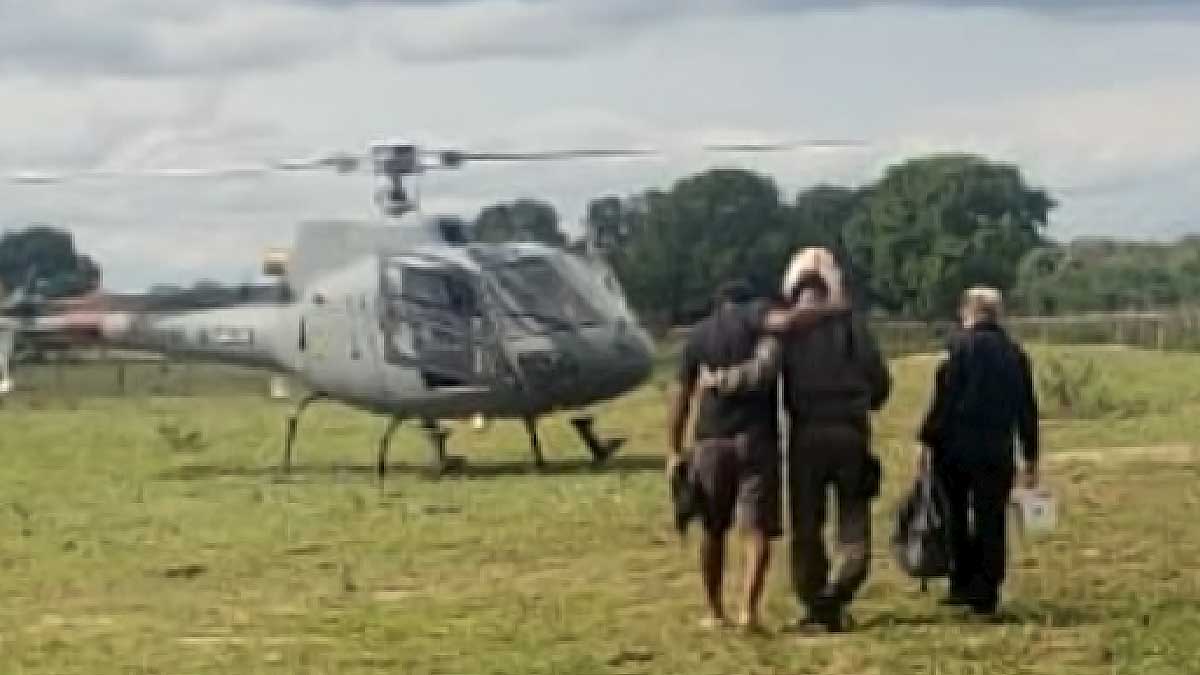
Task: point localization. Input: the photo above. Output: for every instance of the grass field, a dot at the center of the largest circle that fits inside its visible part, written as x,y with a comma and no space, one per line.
126,552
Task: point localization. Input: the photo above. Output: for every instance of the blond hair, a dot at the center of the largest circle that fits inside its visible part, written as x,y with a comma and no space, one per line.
983,303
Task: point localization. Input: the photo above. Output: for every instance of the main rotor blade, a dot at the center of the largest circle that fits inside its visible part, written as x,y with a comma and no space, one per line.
784,146
37,178
346,162
455,158
341,162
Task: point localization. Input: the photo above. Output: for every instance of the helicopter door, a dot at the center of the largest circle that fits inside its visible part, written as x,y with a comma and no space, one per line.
428,322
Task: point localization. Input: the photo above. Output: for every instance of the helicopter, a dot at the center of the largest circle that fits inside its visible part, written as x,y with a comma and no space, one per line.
406,317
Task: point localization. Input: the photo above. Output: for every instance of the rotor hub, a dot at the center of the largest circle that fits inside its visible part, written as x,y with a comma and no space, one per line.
391,163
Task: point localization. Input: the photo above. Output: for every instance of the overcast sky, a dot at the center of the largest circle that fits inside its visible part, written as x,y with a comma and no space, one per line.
1098,101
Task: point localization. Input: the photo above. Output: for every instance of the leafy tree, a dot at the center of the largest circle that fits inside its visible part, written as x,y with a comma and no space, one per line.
46,256
934,225
1104,275
522,220
819,214
910,242
678,245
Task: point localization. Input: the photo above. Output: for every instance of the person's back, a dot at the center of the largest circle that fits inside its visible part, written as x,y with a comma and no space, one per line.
835,371
984,396
991,387
727,337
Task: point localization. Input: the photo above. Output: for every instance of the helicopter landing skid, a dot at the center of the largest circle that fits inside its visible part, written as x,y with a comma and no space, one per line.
385,444
535,445
442,462
293,422
601,450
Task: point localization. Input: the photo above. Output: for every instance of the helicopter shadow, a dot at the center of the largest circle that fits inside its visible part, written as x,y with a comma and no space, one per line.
469,470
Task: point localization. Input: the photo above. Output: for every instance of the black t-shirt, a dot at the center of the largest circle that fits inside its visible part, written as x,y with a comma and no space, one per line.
727,337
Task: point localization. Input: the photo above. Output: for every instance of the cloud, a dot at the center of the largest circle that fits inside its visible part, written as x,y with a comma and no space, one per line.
142,38
1121,160
148,38
1097,111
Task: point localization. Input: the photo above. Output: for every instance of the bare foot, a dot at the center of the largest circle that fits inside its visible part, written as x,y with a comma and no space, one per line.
711,622
749,623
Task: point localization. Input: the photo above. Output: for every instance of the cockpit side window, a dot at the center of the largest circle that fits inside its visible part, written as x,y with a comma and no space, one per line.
431,287
541,290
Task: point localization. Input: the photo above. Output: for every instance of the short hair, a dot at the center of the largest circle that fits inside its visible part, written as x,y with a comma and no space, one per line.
736,291
985,302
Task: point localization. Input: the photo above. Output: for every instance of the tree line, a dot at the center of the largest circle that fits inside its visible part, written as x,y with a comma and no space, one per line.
1098,275
910,241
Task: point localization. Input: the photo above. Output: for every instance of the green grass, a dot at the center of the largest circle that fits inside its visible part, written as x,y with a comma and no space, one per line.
123,555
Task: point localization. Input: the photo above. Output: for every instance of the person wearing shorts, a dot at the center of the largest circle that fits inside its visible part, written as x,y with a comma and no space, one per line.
735,455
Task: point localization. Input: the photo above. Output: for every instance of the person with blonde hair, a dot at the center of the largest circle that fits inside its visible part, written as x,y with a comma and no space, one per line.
983,400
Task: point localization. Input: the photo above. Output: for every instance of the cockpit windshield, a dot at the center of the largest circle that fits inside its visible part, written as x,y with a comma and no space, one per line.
538,289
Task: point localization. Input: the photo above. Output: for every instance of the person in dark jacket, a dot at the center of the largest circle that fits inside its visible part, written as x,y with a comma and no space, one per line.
735,463
983,400
834,376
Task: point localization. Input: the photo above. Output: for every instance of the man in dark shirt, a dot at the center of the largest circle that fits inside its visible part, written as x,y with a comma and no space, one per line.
735,461
984,393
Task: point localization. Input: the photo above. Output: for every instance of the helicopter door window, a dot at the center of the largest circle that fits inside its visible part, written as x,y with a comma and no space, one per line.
461,298
428,320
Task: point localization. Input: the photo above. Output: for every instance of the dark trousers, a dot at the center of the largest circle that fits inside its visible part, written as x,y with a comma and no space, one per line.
821,456
977,477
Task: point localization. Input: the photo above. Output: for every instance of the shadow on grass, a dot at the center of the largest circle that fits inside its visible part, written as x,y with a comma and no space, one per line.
301,472
1042,613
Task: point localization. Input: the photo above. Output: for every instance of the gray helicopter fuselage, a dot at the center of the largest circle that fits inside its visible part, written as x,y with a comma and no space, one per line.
430,331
